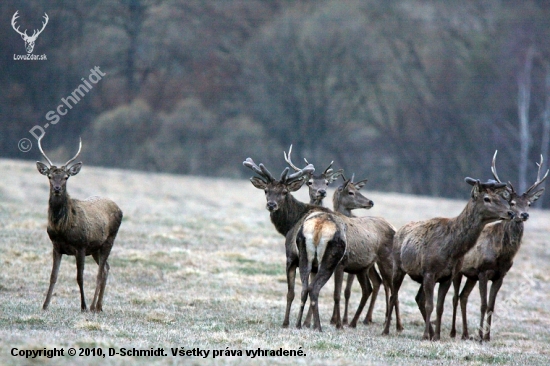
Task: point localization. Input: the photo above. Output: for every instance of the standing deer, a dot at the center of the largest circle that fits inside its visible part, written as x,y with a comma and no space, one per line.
78,228
317,185
492,257
321,242
432,251
29,40
346,198
286,214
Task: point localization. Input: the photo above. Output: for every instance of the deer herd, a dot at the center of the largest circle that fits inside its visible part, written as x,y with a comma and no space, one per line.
479,244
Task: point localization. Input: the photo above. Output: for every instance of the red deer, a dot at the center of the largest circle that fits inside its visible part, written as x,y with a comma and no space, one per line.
286,214
345,199
432,251
492,257
350,199
78,228
321,242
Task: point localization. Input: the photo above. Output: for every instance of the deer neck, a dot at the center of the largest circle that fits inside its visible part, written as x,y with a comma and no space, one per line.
59,211
511,241
316,202
288,214
466,229
340,208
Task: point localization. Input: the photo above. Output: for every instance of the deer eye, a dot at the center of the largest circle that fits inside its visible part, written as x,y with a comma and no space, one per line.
351,193
486,199
309,183
285,192
513,203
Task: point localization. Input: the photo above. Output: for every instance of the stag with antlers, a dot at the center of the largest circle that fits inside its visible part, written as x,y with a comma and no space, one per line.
29,40
286,214
78,228
493,256
432,251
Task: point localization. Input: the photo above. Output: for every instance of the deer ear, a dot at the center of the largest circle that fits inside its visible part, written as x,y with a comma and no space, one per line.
258,183
42,168
73,170
535,196
296,185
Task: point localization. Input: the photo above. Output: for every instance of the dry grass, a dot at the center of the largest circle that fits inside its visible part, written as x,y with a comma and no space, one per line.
197,264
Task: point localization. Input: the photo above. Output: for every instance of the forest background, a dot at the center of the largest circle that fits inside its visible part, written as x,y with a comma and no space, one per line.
414,95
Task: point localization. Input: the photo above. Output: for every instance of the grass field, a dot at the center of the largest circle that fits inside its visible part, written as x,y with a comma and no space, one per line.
197,264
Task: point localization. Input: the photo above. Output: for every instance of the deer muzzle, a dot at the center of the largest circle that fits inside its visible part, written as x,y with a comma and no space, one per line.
271,206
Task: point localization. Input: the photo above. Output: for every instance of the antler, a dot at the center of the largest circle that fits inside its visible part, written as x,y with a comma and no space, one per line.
494,169
299,173
260,170
78,153
13,19
328,170
289,162
539,181
40,147
308,169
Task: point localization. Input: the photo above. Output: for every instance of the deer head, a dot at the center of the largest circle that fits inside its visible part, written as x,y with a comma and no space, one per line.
58,176
317,183
520,203
491,199
347,197
29,40
276,191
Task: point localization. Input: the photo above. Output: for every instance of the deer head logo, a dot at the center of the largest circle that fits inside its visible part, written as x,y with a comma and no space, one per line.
29,40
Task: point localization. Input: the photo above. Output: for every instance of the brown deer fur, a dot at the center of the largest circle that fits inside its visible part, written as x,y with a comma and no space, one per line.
432,251
491,259
286,214
321,242
79,228
345,199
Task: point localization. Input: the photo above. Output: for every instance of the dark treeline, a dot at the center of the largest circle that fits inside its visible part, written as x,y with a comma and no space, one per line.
415,95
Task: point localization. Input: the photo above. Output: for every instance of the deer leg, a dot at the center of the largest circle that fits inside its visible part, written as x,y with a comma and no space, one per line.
334,253
376,281
420,299
80,260
309,315
456,285
347,294
305,270
53,278
102,274
366,290
495,287
466,290
338,280
483,294
429,284
441,293
397,279
290,281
